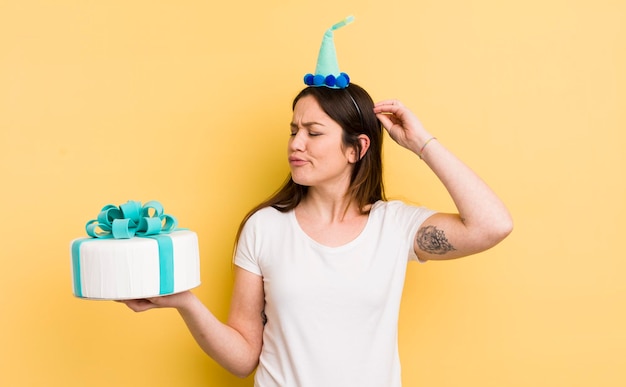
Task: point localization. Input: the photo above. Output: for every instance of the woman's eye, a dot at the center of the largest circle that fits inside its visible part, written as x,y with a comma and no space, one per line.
309,133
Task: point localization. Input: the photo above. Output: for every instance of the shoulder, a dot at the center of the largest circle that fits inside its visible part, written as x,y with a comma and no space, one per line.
395,208
265,227
267,219
266,214
400,216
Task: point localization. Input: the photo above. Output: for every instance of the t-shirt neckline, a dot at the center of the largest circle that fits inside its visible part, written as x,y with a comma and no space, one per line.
345,246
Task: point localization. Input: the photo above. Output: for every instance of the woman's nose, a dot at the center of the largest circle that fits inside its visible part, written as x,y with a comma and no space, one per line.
297,141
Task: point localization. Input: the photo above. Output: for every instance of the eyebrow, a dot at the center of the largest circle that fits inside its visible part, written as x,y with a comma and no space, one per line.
306,124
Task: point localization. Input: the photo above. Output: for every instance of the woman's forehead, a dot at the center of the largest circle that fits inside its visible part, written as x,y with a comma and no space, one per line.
307,109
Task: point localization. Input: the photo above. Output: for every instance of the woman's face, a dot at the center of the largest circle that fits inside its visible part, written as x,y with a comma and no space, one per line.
315,150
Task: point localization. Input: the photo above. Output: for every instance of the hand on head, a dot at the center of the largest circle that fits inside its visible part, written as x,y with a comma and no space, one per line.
400,122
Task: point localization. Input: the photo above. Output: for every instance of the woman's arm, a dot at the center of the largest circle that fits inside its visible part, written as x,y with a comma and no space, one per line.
236,345
482,220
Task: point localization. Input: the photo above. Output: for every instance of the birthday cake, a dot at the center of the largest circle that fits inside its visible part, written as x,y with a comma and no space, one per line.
134,251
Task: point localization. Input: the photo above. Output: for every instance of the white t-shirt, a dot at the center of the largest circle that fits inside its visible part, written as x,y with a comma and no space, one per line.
332,312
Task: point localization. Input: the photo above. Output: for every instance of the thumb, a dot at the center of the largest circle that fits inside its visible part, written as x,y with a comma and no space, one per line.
384,120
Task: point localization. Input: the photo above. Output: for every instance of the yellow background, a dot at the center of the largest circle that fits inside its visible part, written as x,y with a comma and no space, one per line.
188,103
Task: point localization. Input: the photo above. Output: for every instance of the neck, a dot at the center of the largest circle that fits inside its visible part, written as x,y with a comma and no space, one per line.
329,207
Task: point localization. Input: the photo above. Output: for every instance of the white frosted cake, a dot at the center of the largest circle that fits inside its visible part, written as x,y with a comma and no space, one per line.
134,266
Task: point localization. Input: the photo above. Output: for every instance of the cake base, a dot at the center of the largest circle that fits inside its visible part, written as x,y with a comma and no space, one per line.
139,267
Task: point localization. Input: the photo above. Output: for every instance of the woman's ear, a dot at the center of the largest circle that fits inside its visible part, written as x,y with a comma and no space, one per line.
365,145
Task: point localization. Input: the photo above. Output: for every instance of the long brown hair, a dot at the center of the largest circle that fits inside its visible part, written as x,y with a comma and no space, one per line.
353,109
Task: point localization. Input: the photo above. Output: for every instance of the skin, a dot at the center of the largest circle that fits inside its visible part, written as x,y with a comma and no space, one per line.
318,159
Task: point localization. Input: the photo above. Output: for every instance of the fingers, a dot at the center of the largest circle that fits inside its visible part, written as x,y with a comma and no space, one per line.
385,120
169,301
389,102
389,112
388,106
139,305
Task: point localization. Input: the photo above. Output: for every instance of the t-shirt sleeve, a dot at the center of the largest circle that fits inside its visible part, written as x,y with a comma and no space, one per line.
410,218
245,256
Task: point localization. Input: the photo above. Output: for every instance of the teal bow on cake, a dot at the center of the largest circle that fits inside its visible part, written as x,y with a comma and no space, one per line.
131,219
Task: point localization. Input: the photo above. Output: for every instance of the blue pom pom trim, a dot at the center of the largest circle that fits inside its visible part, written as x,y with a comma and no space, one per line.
340,82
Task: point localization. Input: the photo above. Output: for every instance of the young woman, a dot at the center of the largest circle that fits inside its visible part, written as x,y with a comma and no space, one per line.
320,266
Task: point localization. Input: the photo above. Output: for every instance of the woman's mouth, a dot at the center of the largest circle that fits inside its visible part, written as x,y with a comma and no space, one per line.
297,162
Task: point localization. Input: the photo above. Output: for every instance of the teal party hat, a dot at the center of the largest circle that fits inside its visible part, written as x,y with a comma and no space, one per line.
327,72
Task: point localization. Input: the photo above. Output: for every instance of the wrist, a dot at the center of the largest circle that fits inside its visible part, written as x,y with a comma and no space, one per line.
420,152
183,301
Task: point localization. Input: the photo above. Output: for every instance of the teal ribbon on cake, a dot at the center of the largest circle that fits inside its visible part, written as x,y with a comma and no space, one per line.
127,221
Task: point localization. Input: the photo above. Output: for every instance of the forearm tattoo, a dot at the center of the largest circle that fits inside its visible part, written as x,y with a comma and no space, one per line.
432,240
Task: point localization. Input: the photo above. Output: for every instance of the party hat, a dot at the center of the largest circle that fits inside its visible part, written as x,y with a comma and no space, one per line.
327,71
